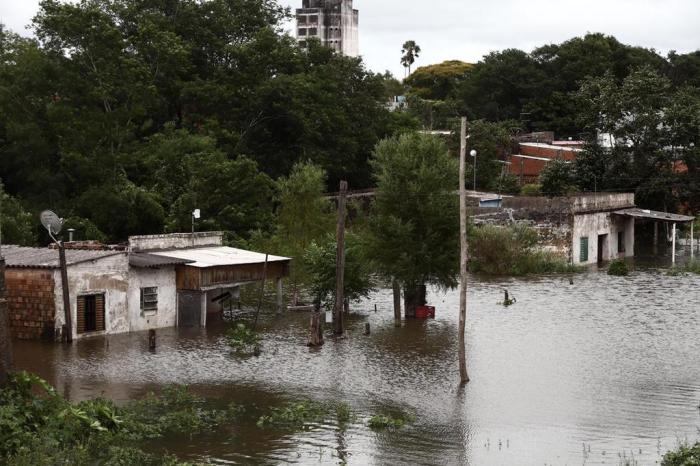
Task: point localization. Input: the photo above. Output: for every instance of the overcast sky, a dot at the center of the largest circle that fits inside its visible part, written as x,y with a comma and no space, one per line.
468,29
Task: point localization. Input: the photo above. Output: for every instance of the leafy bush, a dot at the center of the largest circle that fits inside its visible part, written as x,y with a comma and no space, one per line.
531,190
495,250
684,455
618,268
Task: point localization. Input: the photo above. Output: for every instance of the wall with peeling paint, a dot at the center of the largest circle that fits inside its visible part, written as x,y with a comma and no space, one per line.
164,280
108,275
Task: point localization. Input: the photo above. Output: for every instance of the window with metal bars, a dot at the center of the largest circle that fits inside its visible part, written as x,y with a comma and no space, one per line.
149,299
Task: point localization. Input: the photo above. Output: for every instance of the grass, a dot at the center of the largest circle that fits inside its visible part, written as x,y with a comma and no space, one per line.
691,267
513,250
683,455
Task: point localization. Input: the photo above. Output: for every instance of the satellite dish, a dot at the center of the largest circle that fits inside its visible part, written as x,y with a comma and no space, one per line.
51,222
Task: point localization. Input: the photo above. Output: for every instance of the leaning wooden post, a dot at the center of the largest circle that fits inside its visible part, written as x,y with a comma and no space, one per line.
397,303
340,262
66,294
464,377
5,333
315,325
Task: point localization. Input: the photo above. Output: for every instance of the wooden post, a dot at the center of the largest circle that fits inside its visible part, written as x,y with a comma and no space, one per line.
203,309
656,238
316,325
673,244
66,294
397,303
464,376
280,295
692,240
367,329
5,333
152,339
340,262
262,292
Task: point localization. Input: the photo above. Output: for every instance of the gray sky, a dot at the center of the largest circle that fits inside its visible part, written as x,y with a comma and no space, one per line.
468,29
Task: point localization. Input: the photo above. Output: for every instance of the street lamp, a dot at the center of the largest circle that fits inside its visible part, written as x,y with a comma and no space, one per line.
473,154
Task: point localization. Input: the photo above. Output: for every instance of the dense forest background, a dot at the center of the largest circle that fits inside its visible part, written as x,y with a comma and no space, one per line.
125,115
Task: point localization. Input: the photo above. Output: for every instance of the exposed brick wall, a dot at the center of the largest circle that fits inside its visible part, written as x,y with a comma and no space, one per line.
30,298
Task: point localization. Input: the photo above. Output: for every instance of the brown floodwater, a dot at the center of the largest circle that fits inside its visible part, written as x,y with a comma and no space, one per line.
569,375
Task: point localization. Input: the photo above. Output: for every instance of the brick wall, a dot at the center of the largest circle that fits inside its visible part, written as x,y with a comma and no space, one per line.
30,299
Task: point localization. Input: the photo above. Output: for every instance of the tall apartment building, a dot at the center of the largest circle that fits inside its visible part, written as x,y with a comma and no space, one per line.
334,22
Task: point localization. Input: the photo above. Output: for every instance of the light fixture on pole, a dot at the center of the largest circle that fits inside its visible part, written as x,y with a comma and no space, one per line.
473,154
196,214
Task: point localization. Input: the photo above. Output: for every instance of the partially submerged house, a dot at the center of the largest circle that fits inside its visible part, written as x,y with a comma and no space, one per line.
586,228
157,281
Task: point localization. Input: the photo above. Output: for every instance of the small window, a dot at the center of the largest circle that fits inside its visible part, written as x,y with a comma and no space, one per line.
302,32
313,19
583,256
91,313
313,31
301,19
149,299
621,241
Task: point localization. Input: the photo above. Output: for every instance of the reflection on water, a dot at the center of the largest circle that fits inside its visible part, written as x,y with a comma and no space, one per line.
571,374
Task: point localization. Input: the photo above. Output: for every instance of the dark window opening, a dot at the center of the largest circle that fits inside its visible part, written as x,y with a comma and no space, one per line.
91,313
583,257
302,32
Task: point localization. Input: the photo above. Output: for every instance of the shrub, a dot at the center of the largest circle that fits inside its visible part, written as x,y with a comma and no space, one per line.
684,455
531,190
293,415
618,268
495,250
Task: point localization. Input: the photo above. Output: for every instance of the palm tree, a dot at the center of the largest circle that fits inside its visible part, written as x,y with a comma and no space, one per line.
410,52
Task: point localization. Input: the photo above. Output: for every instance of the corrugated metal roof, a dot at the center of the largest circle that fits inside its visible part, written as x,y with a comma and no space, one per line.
145,260
44,258
218,256
654,215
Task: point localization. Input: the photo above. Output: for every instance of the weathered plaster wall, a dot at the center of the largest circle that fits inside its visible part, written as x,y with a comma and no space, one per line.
602,223
175,241
166,316
30,300
108,275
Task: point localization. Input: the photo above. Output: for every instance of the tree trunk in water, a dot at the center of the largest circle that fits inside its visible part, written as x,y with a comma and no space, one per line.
5,334
397,303
413,296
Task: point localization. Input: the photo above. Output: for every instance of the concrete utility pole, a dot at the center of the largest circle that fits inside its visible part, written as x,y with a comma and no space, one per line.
464,377
5,334
68,333
397,303
340,262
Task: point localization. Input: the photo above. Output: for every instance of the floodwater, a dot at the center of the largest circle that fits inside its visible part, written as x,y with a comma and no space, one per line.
570,375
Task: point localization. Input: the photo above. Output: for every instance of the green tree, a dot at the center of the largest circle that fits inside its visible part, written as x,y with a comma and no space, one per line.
320,262
304,218
414,226
409,52
557,178
17,225
438,81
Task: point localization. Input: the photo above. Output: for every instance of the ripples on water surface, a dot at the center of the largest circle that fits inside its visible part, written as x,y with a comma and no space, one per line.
569,375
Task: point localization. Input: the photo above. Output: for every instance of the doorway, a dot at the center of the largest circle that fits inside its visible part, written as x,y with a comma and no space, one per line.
603,253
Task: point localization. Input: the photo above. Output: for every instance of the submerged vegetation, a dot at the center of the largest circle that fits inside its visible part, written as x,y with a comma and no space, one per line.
618,268
386,421
38,426
244,339
513,250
